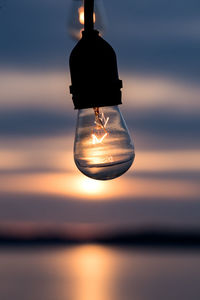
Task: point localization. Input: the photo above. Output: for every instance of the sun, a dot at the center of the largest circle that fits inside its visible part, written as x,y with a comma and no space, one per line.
91,186
80,187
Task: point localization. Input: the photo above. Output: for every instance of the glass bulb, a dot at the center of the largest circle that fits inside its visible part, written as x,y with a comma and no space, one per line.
76,18
102,148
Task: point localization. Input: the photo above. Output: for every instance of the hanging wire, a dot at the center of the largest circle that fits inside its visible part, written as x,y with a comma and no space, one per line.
88,13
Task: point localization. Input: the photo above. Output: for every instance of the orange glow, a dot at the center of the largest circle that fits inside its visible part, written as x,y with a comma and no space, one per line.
90,186
101,123
76,186
81,15
91,266
171,160
96,140
35,170
70,185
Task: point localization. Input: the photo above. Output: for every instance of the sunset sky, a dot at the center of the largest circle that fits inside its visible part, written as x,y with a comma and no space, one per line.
158,58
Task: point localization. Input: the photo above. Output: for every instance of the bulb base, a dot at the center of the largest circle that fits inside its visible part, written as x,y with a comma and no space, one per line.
94,73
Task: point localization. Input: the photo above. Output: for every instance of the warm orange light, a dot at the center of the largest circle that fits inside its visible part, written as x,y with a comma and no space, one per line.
90,187
81,15
91,268
100,122
96,140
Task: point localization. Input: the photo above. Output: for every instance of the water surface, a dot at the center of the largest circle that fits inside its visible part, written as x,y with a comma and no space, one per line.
93,272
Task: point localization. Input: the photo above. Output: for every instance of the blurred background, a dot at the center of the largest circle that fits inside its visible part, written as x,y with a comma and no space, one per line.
63,235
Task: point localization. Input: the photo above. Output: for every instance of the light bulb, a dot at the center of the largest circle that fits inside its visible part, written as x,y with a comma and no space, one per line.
76,18
102,148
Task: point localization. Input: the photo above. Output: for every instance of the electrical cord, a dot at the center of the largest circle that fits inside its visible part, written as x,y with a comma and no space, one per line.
88,13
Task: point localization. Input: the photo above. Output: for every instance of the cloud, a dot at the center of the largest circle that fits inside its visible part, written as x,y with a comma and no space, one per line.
159,129
150,37
34,123
62,210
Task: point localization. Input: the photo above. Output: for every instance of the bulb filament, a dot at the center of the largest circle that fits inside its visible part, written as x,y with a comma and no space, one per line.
101,123
95,140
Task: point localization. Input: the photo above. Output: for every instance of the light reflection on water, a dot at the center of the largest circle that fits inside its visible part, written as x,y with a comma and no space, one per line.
90,272
91,267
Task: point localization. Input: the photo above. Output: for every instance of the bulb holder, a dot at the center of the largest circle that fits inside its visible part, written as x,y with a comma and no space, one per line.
94,73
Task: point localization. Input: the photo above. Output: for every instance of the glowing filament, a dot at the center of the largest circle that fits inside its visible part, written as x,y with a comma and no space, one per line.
81,15
95,139
100,122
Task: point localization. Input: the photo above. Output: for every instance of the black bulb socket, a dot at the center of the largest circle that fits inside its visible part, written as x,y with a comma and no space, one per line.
94,73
